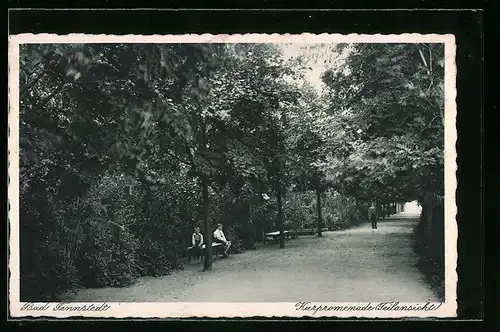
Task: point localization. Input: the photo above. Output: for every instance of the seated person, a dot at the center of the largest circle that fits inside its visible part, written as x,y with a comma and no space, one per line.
197,240
219,237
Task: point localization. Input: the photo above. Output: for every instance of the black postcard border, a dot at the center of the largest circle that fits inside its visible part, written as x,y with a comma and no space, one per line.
466,25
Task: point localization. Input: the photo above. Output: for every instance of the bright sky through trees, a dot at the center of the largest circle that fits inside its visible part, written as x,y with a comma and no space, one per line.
317,58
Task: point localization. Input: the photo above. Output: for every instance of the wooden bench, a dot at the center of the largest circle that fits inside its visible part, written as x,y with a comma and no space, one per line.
275,236
305,232
217,248
310,231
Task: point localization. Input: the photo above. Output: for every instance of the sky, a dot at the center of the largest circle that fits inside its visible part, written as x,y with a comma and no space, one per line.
320,57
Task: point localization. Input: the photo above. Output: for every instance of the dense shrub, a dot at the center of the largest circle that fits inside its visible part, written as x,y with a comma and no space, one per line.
338,212
46,251
45,267
108,256
263,216
236,242
429,245
342,212
300,210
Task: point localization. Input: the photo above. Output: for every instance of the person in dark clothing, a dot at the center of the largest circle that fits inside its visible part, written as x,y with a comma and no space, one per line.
197,242
373,216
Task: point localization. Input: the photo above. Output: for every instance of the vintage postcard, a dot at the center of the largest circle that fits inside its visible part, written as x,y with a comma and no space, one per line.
224,176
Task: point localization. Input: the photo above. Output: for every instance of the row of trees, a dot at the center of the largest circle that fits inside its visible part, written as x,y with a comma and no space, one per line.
391,100
124,147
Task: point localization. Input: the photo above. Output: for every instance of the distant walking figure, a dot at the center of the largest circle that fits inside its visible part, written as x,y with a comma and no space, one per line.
373,216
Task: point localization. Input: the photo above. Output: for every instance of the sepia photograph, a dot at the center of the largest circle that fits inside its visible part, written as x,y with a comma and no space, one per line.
313,174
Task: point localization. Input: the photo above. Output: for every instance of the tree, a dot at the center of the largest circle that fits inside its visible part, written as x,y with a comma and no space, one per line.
87,108
307,141
388,138
254,101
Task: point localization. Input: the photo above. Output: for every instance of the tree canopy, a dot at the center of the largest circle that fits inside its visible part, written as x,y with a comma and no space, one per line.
389,136
125,147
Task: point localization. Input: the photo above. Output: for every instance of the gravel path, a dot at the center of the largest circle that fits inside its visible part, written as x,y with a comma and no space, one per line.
355,265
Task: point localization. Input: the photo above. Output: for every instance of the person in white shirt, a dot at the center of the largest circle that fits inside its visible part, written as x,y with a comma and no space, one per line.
219,237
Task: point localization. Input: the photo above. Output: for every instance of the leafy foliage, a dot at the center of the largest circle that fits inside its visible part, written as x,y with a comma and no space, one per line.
124,148
390,99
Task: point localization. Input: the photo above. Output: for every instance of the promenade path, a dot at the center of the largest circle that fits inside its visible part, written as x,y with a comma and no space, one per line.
354,265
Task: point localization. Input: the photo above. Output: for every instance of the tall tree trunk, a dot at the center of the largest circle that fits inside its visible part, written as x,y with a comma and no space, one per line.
280,215
207,264
249,226
262,221
318,206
